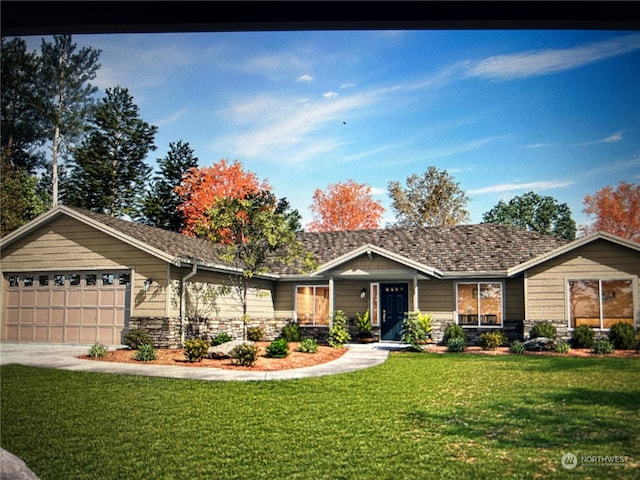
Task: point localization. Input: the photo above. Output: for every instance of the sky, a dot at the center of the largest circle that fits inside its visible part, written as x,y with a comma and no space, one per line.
503,112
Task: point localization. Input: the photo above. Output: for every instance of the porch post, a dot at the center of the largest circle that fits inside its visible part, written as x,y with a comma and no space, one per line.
415,292
331,299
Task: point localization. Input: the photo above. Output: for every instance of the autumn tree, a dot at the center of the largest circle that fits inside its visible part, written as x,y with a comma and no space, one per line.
432,199
202,188
535,213
345,206
617,211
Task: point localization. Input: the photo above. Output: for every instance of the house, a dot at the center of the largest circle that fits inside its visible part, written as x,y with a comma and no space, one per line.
74,276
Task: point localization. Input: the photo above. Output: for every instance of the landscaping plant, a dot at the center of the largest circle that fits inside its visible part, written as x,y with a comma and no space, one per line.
622,335
145,353
308,345
583,337
195,349
220,338
453,330
291,332
456,344
98,350
602,346
278,348
562,347
255,334
136,338
492,340
244,355
364,325
516,347
543,329
416,329
338,333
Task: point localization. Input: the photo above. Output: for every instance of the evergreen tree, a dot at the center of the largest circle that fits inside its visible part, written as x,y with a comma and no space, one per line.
108,173
160,205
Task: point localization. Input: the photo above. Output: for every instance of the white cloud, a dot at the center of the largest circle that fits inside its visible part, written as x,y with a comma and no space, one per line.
305,78
330,95
540,145
511,187
613,138
347,85
171,118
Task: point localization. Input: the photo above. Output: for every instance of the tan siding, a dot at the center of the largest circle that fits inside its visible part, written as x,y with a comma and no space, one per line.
363,262
347,297
437,297
514,298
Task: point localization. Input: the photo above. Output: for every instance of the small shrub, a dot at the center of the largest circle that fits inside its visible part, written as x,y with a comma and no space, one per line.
255,334
308,345
562,347
492,340
583,337
543,329
622,335
416,328
602,346
453,330
145,353
456,344
136,338
291,332
363,322
98,350
516,347
245,355
219,339
195,349
637,347
278,348
338,333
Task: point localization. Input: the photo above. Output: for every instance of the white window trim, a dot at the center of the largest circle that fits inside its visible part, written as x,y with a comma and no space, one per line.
295,293
502,303
600,279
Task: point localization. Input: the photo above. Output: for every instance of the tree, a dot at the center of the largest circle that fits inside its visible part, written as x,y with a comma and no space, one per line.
534,213
160,205
66,95
108,171
617,211
431,200
202,188
345,206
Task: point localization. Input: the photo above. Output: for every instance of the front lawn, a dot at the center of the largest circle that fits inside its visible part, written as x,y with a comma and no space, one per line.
418,416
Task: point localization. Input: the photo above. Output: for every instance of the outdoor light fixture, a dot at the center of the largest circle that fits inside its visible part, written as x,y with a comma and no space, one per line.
363,293
147,284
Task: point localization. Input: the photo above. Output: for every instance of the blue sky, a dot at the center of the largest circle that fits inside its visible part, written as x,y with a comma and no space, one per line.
504,112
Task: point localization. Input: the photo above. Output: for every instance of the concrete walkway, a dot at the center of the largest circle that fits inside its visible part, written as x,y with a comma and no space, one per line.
357,357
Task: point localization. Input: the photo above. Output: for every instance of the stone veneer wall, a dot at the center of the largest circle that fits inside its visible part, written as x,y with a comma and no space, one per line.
562,329
163,331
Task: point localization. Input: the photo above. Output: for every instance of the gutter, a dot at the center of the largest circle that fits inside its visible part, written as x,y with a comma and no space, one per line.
183,300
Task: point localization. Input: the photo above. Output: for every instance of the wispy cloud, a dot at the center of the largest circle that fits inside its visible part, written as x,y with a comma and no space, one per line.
613,138
540,145
512,187
330,95
171,118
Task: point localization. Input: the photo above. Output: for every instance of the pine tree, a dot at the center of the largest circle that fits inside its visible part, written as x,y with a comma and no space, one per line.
108,173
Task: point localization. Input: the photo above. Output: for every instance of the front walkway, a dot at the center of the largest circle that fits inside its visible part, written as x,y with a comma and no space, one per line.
65,357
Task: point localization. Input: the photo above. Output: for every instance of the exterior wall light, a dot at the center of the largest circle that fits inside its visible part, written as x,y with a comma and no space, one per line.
363,293
147,284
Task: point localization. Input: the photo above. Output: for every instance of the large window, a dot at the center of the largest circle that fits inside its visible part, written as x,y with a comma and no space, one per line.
312,304
479,304
600,303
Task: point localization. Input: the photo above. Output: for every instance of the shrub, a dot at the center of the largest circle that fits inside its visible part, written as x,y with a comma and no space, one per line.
219,339
516,347
278,348
416,328
456,344
562,347
195,349
583,337
145,353
622,336
308,345
291,332
338,334
364,325
492,340
245,355
136,338
453,331
637,347
98,351
255,334
543,329
602,346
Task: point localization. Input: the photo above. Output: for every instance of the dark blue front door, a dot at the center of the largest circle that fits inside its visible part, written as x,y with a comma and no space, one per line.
394,303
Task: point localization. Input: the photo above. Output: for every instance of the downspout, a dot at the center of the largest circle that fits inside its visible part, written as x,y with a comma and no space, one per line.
183,300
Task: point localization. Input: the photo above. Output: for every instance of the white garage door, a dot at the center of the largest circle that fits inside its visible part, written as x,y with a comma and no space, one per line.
66,307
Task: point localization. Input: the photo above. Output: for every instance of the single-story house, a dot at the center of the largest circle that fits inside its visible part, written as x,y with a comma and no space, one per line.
75,276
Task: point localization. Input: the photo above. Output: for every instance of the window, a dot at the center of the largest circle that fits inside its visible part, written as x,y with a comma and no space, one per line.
124,279
58,280
600,303
13,280
43,280
74,279
312,305
375,319
90,279
480,304
107,279
27,281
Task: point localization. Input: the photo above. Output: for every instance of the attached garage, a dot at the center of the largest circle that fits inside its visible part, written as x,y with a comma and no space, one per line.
67,306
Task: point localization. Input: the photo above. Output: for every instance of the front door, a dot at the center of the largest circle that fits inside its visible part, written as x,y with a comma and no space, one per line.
394,303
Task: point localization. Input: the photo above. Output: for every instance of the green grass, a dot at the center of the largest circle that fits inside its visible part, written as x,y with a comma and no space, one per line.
418,416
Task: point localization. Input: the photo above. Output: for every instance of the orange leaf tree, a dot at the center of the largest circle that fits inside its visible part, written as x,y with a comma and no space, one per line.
345,206
617,211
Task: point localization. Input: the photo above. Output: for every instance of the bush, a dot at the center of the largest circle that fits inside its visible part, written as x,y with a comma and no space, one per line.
602,346
195,349
516,347
543,329
416,328
622,336
456,344
492,340
278,348
338,334
291,332
136,338
583,337
453,331
308,345
145,353
98,351
219,339
245,355
562,347
255,334
637,347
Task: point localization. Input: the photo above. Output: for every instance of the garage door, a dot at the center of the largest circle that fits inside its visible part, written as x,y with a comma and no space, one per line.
67,307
